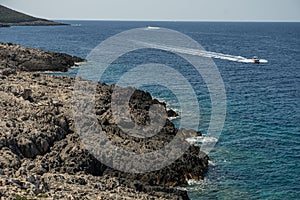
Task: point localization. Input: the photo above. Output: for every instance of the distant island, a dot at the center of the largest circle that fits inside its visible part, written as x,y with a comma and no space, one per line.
9,17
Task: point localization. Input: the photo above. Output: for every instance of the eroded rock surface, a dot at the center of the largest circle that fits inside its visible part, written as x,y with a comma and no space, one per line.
42,155
28,59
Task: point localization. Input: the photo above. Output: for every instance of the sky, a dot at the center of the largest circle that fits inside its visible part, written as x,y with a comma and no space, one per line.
161,10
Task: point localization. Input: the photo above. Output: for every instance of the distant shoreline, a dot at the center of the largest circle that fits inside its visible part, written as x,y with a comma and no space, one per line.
34,23
188,21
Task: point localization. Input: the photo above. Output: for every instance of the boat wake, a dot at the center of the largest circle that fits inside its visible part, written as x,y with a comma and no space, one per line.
75,25
152,28
207,54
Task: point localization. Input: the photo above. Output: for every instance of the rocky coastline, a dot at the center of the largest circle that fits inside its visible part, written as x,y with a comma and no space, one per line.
17,57
42,155
4,25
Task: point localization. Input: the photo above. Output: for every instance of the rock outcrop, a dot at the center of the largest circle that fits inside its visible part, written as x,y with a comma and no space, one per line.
42,155
28,59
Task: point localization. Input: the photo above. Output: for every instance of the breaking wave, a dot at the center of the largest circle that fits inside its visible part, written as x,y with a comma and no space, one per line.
201,139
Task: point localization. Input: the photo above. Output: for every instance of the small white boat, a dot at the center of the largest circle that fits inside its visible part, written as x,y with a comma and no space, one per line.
256,59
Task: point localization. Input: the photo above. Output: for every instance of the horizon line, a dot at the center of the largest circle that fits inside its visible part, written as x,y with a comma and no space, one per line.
145,20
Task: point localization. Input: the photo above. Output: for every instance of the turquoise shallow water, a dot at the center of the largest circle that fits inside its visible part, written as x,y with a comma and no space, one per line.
258,153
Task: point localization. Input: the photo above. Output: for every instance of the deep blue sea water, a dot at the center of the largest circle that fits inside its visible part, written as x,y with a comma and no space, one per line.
258,153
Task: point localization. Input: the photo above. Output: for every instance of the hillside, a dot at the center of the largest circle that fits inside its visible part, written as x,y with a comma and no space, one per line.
9,17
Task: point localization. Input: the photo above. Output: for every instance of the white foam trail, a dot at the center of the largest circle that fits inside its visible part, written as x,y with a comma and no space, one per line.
153,28
194,182
197,185
211,163
173,118
201,139
203,53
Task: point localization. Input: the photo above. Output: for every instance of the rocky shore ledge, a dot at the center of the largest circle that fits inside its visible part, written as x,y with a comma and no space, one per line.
29,59
42,156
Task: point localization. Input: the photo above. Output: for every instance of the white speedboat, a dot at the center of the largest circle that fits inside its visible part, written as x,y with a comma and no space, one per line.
256,59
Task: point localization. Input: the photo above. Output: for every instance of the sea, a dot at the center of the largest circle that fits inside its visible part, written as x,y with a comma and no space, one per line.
257,155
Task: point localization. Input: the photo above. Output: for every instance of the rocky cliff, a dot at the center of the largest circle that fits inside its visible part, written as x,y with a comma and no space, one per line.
42,155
